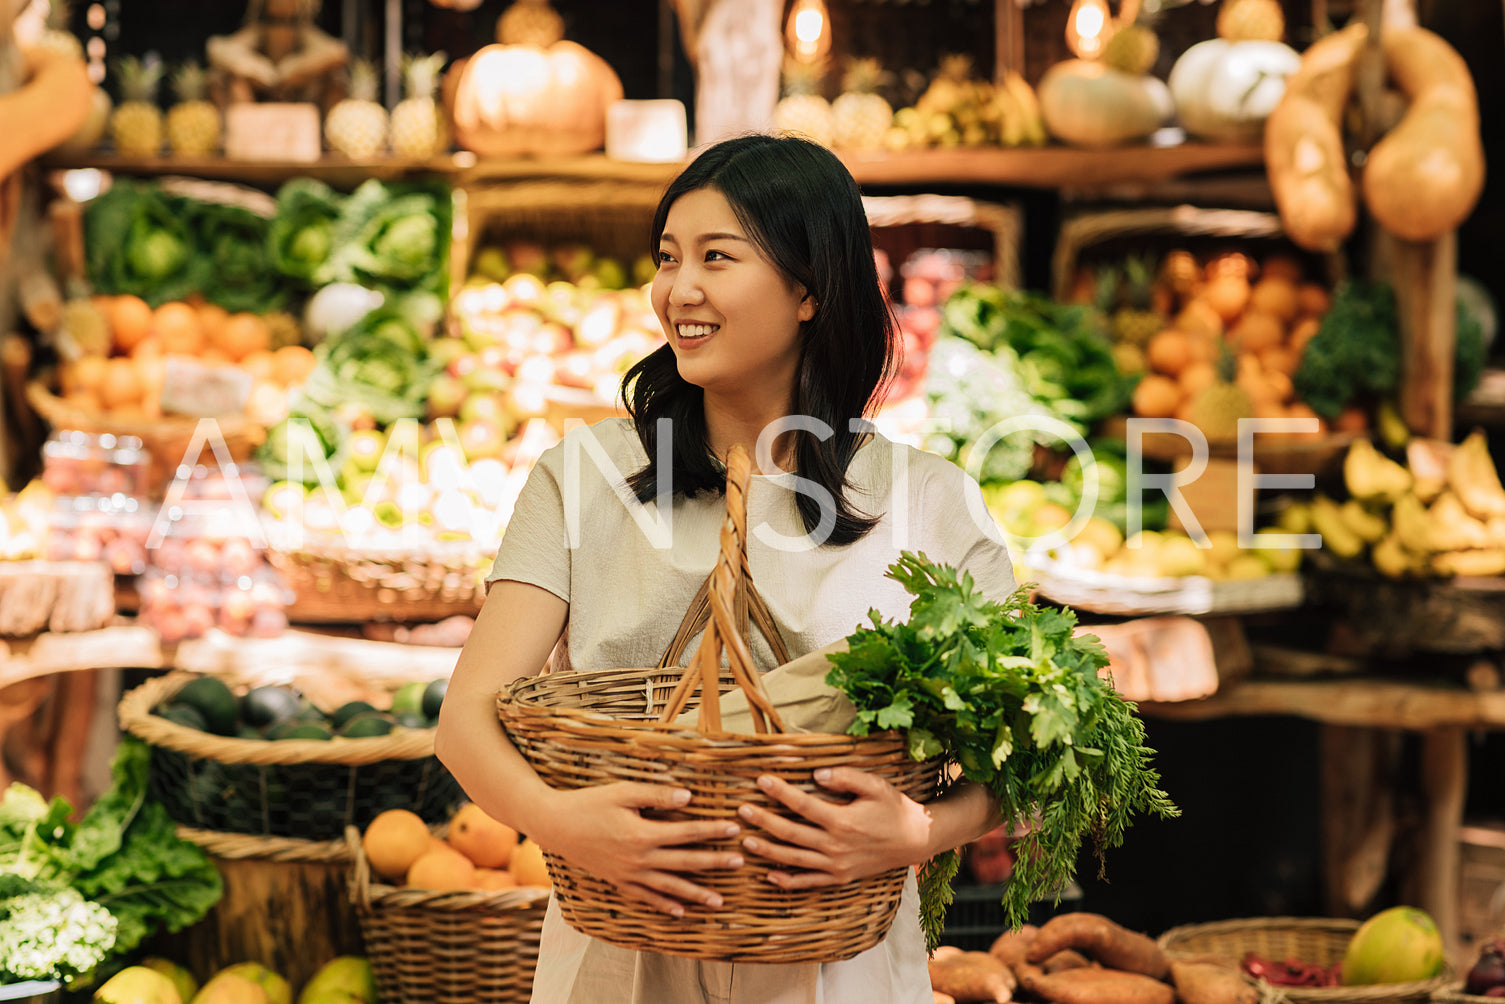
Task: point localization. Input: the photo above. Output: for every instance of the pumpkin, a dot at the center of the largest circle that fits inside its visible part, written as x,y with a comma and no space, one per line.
1225,90
1091,104
514,100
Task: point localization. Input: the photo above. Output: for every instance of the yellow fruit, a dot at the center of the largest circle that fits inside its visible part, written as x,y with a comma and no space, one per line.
393,841
487,842
227,987
528,865
138,985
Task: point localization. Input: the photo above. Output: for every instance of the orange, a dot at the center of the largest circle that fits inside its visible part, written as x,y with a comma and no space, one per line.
1305,330
292,364
494,879
393,841
1228,295
487,842
1169,352
1312,299
130,321
242,334
1256,331
528,865
177,324
1352,419
1276,296
1198,316
121,387
1197,377
1281,266
212,318
1156,396
261,365
84,374
84,400
441,868
148,348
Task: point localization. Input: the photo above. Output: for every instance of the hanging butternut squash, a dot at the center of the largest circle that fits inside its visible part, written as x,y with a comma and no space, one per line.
1424,176
532,93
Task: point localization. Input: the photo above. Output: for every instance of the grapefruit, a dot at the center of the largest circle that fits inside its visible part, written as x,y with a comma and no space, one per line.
1398,945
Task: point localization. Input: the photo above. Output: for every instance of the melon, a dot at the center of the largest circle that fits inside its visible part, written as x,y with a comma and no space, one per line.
1398,945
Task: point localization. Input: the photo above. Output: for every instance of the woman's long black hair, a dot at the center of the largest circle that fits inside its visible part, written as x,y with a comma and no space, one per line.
800,206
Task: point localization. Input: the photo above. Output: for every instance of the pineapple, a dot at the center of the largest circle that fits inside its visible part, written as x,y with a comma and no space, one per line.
860,117
84,330
357,126
418,130
1180,272
193,124
951,87
1251,20
1135,322
803,111
283,328
1132,48
1218,408
530,22
136,124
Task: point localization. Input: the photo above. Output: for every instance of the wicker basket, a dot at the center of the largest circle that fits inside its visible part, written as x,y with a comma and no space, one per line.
461,947
331,583
929,212
1453,994
305,788
1118,230
1319,940
1103,593
590,728
166,439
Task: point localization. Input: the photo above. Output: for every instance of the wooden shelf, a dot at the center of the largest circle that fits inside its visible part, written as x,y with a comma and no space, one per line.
1052,167
1365,702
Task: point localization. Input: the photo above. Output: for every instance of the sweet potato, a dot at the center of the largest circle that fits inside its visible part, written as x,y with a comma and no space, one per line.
1099,938
941,998
1094,986
972,978
1066,958
1205,983
1011,946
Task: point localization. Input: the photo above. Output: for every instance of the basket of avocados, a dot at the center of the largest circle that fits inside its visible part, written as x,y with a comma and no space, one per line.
265,760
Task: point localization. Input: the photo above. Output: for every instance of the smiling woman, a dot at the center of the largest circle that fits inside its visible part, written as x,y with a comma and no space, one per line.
778,338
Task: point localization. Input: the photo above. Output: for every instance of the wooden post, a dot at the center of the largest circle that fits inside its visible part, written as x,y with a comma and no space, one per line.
1425,278
1008,37
1444,779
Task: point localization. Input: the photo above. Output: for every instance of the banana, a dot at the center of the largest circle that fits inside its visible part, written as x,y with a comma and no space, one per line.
1371,476
1412,531
1428,462
1337,537
1472,475
1484,561
1392,428
1367,526
1029,104
1392,560
1451,528
1295,518
1011,118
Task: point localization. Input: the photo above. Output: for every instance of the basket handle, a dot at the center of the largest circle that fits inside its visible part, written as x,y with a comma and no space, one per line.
699,614
727,629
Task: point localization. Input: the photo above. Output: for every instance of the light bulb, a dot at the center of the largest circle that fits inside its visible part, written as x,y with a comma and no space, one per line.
1085,28
808,30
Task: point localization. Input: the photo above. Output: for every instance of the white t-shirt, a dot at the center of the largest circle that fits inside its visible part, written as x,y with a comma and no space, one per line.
574,533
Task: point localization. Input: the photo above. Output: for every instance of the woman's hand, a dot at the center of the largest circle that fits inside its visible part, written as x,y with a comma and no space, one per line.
880,829
603,830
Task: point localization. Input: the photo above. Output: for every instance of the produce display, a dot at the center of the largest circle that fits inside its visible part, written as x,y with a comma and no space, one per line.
1440,513
1486,977
1225,88
346,979
476,852
275,711
960,109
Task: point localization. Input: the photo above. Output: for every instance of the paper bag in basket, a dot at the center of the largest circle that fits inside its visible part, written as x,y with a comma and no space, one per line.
800,694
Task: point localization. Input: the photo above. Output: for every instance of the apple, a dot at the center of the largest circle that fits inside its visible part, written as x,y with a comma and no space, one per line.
644,268
576,369
364,449
552,339
446,394
611,273
529,259
573,260
599,323
480,438
536,369
491,262
485,380
444,349
443,466
481,406
524,289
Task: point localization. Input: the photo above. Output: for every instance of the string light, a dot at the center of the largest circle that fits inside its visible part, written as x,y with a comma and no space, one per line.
1086,28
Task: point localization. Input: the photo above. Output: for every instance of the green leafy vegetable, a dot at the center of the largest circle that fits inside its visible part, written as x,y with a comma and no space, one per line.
234,242
1008,692
1356,351
380,364
393,237
970,392
137,241
301,235
309,431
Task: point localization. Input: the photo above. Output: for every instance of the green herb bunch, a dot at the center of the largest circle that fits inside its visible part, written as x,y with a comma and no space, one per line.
1010,694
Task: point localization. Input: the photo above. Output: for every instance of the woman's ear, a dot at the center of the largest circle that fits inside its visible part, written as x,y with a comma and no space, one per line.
807,307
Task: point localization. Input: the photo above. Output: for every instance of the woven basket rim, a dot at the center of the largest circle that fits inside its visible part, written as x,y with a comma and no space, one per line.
1102,592
136,717
370,893
60,414
265,847
1375,993
1453,993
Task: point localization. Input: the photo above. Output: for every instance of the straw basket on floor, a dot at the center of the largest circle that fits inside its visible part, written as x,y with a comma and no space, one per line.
1318,940
457,947
593,728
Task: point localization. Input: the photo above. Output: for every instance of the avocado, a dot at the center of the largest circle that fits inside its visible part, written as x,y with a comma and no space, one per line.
185,715
414,720
293,729
433,697
269,704
367,726
409,697
213,699
348,711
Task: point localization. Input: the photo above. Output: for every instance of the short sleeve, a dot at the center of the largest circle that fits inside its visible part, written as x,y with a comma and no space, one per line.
534,546
959,531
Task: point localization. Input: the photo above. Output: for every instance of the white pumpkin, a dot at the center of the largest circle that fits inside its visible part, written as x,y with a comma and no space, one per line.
1225,90
1090,104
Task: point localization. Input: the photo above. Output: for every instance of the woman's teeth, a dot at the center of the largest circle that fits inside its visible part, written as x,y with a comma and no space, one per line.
695,330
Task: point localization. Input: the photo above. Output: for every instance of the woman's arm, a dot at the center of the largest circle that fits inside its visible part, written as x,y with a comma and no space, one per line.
599,828
880,829
46,110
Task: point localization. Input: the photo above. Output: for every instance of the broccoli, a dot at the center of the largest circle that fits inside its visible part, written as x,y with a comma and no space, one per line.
1356,352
